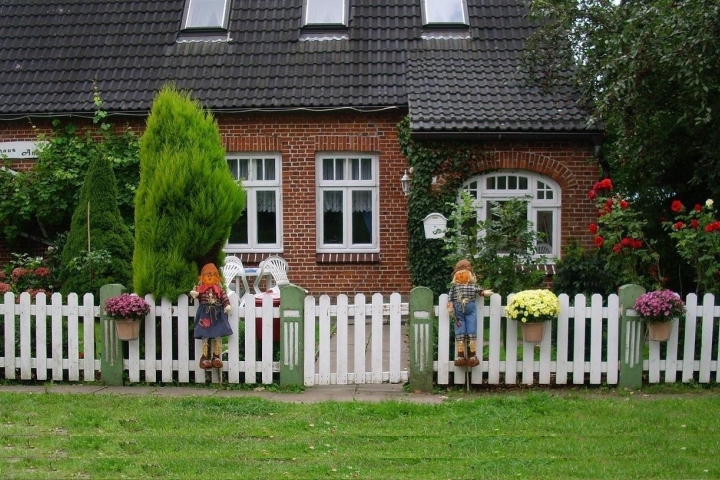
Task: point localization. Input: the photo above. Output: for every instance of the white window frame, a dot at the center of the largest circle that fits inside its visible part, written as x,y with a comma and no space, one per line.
312,9
444,12
347,186
193,8
482,195
252,185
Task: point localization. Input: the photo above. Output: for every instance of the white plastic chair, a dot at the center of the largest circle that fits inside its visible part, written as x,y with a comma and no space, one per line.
277,267
543,248
234,272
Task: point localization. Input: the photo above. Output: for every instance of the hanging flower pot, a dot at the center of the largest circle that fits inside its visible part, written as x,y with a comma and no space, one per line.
532,308
659,331
127,329
657,309
533,331
127,311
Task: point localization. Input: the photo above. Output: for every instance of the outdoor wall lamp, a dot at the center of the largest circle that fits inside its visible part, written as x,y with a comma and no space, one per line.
405,183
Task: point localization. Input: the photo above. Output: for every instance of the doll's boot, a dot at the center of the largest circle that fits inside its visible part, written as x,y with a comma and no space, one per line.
205,364
217,350
460,361
473,361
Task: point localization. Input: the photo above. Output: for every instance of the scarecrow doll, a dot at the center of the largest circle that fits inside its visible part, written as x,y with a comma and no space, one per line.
211,320
461,306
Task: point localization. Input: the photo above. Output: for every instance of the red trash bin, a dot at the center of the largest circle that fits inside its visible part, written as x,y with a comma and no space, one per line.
276,320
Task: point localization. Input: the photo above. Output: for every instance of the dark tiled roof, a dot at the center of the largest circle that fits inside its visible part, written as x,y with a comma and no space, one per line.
53,51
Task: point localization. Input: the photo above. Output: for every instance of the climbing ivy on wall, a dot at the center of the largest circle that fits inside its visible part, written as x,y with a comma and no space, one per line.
438,170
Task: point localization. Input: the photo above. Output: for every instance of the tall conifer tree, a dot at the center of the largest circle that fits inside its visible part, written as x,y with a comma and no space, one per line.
111,243
187,199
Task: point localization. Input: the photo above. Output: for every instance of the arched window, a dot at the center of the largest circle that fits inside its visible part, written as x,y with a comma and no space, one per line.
542,193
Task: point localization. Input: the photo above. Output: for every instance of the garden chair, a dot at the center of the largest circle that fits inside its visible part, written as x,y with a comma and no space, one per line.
234,272
277,267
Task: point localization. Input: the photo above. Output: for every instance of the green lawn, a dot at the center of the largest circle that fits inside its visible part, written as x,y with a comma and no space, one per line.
534,434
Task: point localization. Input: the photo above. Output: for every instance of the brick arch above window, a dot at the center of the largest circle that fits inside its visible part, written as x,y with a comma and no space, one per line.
530,161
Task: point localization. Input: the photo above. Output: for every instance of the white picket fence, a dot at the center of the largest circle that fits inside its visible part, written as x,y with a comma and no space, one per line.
357,342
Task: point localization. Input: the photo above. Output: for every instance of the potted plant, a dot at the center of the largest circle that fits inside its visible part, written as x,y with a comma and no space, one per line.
658,309
533,308
127,310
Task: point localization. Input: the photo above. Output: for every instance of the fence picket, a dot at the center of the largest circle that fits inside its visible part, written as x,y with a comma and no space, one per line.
41,336
57,337
495,337
309,341
359,366
376,375
613,340
88,313
443,365
73,338
395,338
563,334
596,345
545,363
183,336
688,365
341,340
25,344
578,370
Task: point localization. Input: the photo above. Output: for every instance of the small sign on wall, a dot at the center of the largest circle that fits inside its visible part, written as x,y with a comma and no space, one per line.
19,150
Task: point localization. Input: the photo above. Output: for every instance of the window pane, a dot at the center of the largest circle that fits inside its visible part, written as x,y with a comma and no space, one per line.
523,183
239,231
490,183
544,226
325,12
512,182
266,217
206,13
269,169
332,217
444,11
362,216
233,165
502,183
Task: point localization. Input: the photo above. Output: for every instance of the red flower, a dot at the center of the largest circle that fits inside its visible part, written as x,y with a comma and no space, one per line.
679,225
676,206
605,184
636,243
624,204
698,207
626,241
599,241
593,228
617,248
592,194
694,224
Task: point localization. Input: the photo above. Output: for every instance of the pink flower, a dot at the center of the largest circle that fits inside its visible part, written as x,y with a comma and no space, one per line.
4,288
42,272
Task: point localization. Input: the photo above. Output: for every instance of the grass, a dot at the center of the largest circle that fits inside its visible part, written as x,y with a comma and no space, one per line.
534,434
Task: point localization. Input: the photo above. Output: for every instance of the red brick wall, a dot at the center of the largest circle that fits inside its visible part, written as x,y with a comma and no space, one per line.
299,136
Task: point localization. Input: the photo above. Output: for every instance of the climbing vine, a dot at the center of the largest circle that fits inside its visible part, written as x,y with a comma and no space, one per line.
438,170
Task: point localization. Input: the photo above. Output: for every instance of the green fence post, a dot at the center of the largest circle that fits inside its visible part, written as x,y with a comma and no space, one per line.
632,333
422,319
292,313
111,357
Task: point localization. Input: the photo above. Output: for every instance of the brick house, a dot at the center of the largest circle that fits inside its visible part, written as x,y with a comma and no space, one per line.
308,95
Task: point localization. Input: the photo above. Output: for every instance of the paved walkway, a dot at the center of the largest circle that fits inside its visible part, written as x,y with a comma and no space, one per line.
339,393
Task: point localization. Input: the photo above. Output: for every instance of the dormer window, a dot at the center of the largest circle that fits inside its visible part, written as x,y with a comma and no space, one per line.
325,13
444,12
206,14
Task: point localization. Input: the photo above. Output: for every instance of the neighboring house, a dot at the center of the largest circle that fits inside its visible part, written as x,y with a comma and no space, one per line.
308,95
